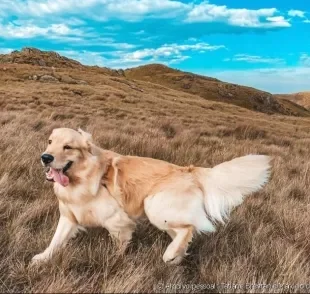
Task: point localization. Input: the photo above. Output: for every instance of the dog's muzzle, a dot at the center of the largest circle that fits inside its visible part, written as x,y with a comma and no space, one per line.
50,172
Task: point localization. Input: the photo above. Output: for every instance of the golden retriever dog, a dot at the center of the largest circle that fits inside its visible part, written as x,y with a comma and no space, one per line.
83,200
99,187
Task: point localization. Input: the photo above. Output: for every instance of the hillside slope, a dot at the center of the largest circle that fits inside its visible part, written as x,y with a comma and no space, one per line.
205,87
213,89
301,98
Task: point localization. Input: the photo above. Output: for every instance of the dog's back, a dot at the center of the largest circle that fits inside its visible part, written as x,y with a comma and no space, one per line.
132,179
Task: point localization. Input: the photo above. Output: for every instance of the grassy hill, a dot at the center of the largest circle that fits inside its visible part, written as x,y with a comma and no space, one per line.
205,87
301,98
215,90
266,241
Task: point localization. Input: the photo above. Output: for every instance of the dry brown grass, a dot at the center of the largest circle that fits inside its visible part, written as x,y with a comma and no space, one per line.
266,241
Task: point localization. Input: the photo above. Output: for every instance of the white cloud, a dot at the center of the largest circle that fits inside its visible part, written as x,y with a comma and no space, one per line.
60,29
73,21
86,57
133,10
305,59
11,31
277,21
274,80
166,54
30,31
174,52
96,9
260,18
6,50
43,7
296,13
141,32
106,42
113,59
254,59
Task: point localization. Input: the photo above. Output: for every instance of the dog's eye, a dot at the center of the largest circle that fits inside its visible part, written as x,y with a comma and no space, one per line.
67,147
49,141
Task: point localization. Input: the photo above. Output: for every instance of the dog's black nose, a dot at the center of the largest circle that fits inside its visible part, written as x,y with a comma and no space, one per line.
47,158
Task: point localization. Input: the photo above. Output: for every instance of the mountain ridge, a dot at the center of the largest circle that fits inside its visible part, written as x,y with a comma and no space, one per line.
207,88
215,90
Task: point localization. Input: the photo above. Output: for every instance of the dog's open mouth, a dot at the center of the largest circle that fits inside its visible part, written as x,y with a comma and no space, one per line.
58,175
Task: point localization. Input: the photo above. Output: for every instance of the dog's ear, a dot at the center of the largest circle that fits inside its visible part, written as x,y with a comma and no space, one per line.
88,139
86,135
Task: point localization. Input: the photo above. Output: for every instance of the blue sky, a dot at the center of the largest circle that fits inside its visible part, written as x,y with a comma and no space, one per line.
264,44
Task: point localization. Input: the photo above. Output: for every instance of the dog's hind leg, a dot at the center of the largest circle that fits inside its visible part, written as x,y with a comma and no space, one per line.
171,233
66,229
177,248
180,213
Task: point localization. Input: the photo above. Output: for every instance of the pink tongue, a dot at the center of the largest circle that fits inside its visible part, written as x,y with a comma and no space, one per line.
59,177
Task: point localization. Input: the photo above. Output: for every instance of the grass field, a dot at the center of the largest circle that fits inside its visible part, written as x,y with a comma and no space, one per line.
266,241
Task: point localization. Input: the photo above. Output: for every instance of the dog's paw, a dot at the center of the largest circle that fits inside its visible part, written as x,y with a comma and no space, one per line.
174,261
172,258
39,259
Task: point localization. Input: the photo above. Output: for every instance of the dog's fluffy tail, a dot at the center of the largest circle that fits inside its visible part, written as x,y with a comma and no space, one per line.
226,184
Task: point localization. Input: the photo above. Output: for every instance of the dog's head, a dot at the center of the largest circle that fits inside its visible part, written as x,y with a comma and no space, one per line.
67,150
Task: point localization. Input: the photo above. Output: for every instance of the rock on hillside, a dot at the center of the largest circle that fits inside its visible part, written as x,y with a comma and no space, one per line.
214,89
37,57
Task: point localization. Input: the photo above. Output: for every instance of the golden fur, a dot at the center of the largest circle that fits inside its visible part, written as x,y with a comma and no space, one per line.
131,179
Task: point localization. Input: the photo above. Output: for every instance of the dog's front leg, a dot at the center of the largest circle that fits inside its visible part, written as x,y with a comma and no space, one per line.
65,230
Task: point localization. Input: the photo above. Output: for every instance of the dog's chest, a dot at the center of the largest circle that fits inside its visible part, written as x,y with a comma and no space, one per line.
87,215
76,194
92,211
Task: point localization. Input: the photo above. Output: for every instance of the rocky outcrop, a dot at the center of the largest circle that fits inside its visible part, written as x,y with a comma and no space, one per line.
37,57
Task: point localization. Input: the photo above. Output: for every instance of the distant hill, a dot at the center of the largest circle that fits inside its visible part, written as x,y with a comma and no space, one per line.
301,98
202,86
214,89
